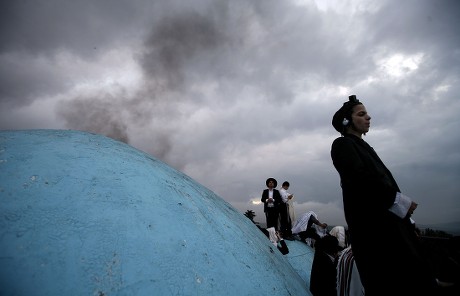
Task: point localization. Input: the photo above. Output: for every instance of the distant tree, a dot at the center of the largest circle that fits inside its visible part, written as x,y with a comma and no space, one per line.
436,233
250,214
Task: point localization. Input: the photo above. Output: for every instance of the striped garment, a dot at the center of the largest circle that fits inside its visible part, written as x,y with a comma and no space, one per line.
348,280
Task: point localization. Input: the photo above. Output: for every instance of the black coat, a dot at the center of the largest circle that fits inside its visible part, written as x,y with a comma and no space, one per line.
323,277
368,187
276,197
386,250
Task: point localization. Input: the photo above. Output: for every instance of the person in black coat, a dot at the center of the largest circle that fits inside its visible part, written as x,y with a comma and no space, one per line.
323,277
271,199
386,251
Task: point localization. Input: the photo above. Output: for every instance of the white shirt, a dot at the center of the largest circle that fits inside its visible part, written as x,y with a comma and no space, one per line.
270,195
284,195
401,205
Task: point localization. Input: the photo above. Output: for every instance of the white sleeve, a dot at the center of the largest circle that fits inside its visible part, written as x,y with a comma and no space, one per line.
284,194
401,205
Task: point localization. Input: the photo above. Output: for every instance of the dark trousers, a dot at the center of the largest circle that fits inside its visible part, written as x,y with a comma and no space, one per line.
309,233
285,220
271,214
283,247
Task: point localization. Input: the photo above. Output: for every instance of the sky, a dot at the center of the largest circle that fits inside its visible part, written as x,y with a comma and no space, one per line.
234,92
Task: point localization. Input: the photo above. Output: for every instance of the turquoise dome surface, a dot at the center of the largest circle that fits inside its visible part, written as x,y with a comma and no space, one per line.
83,214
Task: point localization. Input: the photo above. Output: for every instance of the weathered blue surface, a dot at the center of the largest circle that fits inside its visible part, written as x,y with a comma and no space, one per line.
82,214
301,258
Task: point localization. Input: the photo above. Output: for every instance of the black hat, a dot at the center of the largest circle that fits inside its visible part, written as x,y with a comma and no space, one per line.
271,179
342,117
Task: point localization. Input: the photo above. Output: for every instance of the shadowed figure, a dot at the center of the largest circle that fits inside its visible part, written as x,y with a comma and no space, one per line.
323,279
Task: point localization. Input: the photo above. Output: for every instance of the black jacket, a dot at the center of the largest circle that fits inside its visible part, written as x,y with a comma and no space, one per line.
368,187
276,197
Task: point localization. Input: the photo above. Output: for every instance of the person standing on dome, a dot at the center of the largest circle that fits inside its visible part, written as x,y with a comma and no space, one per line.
389,261
271,199
285,219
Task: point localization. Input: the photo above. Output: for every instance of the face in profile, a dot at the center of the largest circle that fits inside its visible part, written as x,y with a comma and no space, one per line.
361,120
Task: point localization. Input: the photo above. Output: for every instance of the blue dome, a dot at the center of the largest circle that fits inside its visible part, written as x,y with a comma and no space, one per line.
82,214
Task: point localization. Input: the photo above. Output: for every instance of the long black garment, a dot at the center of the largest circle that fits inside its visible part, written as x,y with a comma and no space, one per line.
386,250
271,213
323,277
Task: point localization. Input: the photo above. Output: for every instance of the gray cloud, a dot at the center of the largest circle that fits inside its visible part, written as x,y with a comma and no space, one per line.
44,27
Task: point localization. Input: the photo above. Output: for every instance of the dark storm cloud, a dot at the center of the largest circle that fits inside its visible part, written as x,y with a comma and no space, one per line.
258,44
431,27
410,24
22,79
33,31
44,27
190,48
170,51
